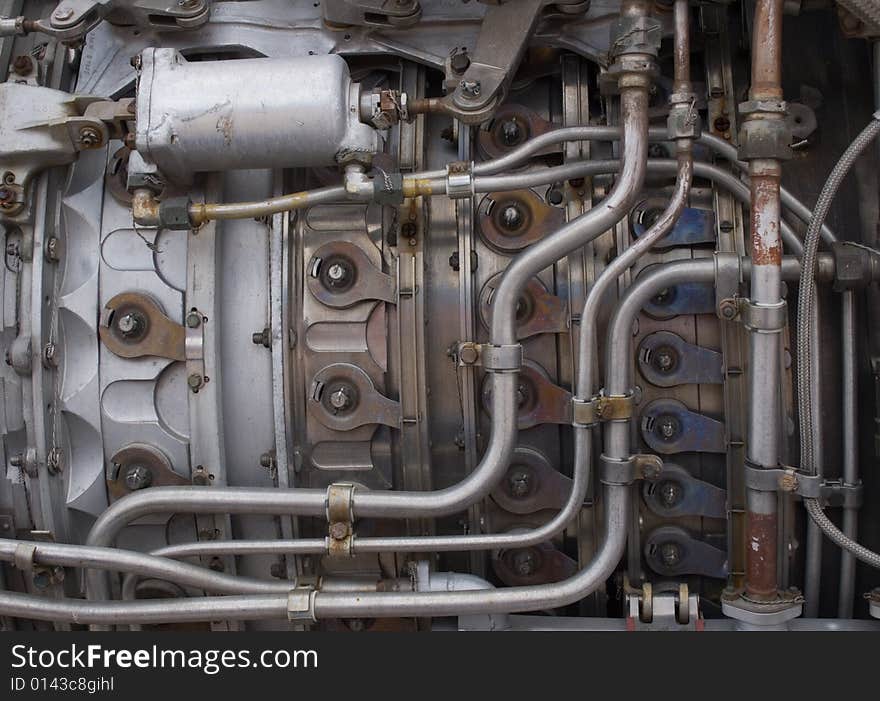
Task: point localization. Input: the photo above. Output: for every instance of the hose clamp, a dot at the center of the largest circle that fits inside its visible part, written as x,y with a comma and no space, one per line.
789,480
764,318
624,471
23,557
602,407
340,518
460,180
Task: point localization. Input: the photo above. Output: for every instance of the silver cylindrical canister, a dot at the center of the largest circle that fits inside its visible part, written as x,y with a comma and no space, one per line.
199,116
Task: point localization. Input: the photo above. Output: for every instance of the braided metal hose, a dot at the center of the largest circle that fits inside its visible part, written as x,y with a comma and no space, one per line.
806,303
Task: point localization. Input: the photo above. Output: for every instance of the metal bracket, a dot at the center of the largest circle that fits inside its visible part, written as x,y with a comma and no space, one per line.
460,180
301,604
787,479
147,331
667,360
602,407
620,471
538,311
763,318
341,274
506,358
343,397
340,519
23,557
668,426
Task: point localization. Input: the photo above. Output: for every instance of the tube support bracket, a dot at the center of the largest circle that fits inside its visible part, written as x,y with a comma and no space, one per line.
787,479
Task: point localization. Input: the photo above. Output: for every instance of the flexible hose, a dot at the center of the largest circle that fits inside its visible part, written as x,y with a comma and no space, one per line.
806,303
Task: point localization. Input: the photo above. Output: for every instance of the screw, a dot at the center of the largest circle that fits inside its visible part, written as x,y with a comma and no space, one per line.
520,483
721,124
267,461
522,394
262,338
16,460
63,13
338,530
89,137
23,65
193,320
670,554
336,273
137,477
511,217
524,562
668,427
131,324
471,88
341,398
195,382
511,133
554,197
664,359
670,493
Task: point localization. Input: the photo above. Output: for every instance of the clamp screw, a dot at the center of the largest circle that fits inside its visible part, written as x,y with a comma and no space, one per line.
138,477
195,382
664,359
519,481
340,398
193,320
131,324
511,132
62,14
670,554
468,354
524,562
667,427
338,530
262,338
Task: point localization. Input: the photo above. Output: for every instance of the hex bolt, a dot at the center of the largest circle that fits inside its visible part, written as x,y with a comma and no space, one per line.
41,578
728,308
137,477
512,217
16,460
62,14
519,481
468,354
195,382
340,398
522,394
459,62
89,137
524,562
670,493
193,320
470,88
267,460
511,132
131,324
670,554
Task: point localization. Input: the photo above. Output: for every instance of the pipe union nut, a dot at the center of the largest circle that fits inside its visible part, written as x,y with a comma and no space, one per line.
764,138
684,122
174,213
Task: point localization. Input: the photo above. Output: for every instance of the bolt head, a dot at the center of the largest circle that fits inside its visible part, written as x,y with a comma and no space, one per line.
138,477
670,493
89,137
519,481
468,355
470,88
131,324
340,398
338,530
524,562
670,554
193,320
195,381
512,217
62,14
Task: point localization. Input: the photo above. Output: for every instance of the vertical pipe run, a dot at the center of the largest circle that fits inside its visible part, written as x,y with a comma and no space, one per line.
766,288
850,448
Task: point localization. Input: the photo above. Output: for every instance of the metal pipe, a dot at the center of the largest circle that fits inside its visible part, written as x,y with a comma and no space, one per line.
764,418
850,426
182,573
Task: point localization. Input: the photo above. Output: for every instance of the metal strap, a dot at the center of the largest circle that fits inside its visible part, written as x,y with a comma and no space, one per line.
460,180
622,471
602,407
340,516
764,318
23,557
501,358
787,479
301,604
